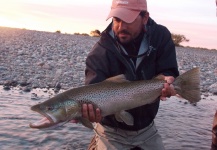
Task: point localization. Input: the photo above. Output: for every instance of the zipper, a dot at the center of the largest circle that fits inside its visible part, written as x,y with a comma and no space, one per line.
127,63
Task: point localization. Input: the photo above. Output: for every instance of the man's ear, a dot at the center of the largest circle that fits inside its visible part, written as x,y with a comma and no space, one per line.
145,19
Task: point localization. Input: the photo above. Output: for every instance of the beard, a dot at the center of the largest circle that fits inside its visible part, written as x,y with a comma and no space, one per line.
124,37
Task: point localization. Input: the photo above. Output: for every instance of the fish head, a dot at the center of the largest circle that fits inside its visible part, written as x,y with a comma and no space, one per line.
56,113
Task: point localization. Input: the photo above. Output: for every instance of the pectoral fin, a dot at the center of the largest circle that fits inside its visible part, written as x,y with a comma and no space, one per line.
85,122
124,116
118,118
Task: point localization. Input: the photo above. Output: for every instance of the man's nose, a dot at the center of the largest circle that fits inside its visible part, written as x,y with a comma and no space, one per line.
122,25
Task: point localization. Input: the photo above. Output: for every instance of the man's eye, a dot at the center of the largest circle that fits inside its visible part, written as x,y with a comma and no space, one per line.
116,19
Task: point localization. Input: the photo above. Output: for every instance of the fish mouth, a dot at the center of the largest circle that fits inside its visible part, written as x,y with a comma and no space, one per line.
46,122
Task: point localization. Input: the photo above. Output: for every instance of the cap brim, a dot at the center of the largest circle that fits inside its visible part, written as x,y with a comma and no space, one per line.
124,14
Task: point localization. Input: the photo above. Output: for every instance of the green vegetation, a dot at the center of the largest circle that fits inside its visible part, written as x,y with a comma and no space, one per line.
58,31
95,33
178,38
84,34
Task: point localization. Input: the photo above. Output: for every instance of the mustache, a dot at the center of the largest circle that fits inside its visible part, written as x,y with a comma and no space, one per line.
124,32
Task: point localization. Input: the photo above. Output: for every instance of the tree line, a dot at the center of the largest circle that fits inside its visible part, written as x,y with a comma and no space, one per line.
177,38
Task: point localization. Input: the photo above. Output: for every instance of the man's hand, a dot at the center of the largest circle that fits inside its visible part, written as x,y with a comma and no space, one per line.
168,89
89,113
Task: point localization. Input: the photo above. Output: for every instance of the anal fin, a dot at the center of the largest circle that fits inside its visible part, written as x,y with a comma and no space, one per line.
85,122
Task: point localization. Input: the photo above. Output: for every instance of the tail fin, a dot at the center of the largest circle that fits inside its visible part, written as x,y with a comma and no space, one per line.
187,85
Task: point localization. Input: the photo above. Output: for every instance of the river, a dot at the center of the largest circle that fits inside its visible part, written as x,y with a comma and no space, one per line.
183,126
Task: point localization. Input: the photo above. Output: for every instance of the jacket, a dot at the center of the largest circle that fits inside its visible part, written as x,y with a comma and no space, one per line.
106,59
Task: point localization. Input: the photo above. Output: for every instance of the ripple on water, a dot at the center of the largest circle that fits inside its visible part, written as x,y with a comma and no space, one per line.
185,126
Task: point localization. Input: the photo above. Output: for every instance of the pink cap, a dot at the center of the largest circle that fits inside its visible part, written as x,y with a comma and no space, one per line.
127,10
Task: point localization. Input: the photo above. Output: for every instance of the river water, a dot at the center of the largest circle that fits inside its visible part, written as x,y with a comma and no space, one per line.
183,126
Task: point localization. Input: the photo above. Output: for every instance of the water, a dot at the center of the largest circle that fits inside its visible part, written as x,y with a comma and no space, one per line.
15,116
182,126
185,126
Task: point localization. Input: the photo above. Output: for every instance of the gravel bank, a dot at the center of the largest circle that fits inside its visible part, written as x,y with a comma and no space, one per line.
33,59
42,59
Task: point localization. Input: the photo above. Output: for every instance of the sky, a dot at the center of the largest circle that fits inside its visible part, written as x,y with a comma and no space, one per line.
195,19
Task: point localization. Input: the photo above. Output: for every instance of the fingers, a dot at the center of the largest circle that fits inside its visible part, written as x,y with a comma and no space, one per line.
169,79
91,114
165,92
98,115
85,111
168,89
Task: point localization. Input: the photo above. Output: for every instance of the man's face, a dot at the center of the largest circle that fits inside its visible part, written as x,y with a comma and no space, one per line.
126,32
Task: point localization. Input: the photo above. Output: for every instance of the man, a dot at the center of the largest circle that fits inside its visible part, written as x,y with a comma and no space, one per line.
133,45
214,133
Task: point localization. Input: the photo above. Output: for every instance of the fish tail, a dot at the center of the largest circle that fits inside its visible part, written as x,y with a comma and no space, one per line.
187,85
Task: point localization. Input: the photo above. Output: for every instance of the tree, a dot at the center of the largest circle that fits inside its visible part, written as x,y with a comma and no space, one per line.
84,34
95,33
58,31
178,38
76,33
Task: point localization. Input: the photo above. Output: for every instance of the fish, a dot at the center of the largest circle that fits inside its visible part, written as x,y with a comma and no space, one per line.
114,95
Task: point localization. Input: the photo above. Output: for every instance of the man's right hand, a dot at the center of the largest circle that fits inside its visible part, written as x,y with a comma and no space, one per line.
91,114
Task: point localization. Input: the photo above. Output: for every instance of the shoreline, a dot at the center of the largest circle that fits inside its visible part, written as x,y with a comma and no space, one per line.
36,59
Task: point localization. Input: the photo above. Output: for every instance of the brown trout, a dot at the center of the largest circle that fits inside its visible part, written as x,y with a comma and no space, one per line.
112,96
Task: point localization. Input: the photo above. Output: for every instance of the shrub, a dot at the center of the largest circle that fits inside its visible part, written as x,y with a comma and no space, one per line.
84,34
58,31
178,38
95,33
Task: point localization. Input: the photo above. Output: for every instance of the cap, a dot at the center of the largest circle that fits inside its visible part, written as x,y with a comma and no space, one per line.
127,10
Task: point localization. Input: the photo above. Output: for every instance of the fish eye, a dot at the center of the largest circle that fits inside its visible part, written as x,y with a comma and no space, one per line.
49,108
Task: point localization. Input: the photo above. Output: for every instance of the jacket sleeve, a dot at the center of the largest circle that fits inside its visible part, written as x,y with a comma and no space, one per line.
166,55
96,65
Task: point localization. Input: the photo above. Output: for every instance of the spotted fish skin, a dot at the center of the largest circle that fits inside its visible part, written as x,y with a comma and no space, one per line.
112,96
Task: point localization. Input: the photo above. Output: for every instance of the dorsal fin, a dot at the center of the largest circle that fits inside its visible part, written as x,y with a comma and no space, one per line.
160,77
119,79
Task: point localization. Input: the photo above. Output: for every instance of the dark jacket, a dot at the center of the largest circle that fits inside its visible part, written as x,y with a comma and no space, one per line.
106,60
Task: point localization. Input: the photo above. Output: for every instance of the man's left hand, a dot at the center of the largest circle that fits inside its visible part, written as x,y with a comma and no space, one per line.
168,89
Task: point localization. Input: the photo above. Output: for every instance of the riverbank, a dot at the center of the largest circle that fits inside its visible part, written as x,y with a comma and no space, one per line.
33,59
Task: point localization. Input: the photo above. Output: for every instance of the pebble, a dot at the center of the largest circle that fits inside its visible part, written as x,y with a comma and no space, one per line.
206,60
26,89
5,87
213,88
2,68
36,59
